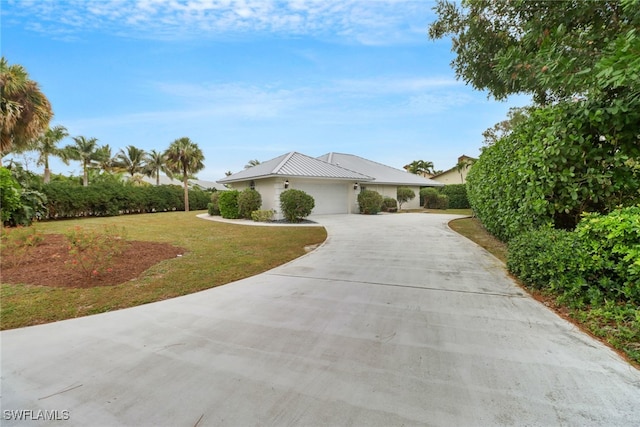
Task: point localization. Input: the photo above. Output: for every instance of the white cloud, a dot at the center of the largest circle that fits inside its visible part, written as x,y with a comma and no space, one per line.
356,21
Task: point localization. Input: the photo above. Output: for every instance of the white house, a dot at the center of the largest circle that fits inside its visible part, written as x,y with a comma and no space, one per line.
333,180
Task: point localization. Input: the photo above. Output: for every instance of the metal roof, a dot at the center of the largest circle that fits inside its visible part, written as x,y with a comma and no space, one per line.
382,174
295,164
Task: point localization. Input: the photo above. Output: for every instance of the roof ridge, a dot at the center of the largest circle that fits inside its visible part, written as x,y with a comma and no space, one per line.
283,162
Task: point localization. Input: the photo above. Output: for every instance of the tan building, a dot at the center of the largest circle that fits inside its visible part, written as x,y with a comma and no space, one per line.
458,173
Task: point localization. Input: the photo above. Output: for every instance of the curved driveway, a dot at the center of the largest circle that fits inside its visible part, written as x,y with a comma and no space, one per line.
395,320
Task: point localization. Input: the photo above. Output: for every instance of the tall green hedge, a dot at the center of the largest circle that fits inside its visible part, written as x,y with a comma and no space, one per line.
561,161
66,199
457,194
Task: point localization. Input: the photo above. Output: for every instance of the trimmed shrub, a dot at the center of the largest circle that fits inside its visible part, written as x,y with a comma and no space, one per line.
442,202
404,194
296,204
389,204
370,202
429,196
9,194
213,208
249,200
263,215
548,258
457,194
228,203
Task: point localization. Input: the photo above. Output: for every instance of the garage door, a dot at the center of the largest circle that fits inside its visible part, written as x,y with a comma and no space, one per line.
329,198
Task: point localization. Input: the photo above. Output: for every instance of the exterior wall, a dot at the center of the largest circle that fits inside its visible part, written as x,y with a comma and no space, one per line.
452,176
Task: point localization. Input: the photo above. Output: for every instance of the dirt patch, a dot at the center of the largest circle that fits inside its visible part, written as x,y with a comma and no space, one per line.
46,264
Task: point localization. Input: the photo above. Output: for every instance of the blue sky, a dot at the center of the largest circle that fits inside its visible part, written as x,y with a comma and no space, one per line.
251,79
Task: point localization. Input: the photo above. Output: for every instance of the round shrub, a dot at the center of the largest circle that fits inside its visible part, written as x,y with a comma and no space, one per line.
370,202
389,204
296,204
228,204
429,196
213,207
249,200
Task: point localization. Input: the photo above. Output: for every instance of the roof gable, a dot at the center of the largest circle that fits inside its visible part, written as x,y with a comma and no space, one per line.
295,164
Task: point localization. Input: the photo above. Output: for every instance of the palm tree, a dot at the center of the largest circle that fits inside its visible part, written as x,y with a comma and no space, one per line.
24,110
86,151
462,165
104,159
46,145
184,157
420,167
133,160
252,163
156,163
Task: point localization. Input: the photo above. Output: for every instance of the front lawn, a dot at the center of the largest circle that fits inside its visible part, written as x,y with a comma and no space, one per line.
216,253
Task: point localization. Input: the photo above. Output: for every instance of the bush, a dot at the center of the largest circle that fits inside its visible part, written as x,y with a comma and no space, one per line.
228,203
442,202
429,196
404,194
249,200
549,259
9,194
213,208
614,245
263,215
389,204
457,194
370,202
296,204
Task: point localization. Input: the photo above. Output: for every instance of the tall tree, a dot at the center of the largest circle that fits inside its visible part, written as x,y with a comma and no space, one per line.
104,159
25,112
549,49
46,145
132,160
184,157
86,151
156,163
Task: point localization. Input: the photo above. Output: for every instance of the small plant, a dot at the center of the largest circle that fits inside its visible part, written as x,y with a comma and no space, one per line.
369,202
296,204
92,251
404,195
249,200
18,242
263,215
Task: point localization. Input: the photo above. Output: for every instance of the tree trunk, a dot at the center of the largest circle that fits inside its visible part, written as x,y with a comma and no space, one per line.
186,193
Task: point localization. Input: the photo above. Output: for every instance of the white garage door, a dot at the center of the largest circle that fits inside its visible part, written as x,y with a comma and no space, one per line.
329,198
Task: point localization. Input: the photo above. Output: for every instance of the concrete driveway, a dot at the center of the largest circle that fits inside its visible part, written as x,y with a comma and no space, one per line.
395,320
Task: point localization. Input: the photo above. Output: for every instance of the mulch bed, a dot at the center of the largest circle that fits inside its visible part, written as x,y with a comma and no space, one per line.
46,264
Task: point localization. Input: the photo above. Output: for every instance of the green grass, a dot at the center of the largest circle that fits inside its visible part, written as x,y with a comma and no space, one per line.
217,253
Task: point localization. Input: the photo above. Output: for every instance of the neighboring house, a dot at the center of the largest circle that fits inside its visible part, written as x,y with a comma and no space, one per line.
458,173
333,180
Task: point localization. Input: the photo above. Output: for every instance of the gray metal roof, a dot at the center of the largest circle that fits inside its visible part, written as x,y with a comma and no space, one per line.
383,174
295,164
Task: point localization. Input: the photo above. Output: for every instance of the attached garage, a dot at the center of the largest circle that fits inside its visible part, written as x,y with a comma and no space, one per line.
330,198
